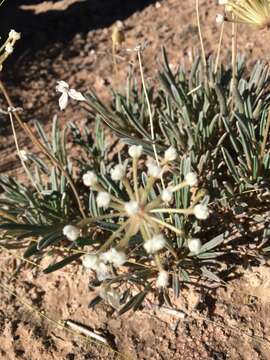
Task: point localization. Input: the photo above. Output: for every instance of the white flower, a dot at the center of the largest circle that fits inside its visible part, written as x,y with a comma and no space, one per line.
14,35
170,154
162,279
90,178
117,258
91,261
191,179
9,48
103,199
201,212
219,19
155,244
194,245
154,170
71,232
118,172
63,88
131,207
23,155
167,195
135,151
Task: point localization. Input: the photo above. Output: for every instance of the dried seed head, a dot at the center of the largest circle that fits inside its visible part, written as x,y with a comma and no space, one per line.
90,179
90,261
191,179
170,154
117,258
156,243
154,170
135,151
162,279
194,245
201,212
167,195
71,232
103,199
118,172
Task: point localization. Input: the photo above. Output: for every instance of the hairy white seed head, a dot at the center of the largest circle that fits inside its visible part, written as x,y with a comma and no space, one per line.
167,195
162,279
170,154
131,207
117,258
14,35
201,212
156,243
135,151
103,199
191,179
194,245
90,178
219,19
71,232
118,172
9,48
154,170
90,261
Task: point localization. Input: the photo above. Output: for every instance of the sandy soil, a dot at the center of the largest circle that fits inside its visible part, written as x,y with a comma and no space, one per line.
70,40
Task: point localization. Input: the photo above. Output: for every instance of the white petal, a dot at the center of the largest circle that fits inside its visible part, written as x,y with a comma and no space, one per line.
62,86
76,95
63,101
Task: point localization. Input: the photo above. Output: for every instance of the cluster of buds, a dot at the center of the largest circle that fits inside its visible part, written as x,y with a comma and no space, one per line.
143,213
7,48
255,12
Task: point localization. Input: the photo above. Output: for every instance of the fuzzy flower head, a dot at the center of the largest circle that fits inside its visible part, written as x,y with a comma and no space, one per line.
155,244
71,232
194,245
103,199
118,172
191,179
112,256
66,93
170,154
167,195
255,13
201,212
154,170
162,279
135,151
90,179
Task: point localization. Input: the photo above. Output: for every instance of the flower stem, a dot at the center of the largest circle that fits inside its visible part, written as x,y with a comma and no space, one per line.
42,148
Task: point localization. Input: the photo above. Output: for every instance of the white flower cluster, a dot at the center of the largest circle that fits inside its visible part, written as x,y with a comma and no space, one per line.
194,245
201,211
